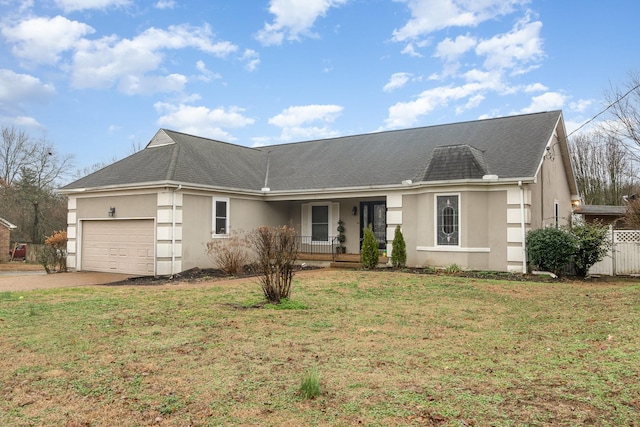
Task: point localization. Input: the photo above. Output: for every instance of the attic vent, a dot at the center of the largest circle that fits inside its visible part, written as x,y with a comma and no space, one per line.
456,162
161,138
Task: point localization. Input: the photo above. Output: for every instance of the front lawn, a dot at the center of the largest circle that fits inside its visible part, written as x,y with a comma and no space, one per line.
390,349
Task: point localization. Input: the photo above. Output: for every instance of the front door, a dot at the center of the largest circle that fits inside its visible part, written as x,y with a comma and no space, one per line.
374,213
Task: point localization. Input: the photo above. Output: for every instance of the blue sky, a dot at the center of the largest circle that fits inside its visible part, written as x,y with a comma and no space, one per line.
98,77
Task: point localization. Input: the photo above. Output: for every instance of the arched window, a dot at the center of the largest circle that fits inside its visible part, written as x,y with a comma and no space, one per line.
448,220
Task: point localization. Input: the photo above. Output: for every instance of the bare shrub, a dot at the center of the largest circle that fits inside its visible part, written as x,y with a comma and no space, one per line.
54,255
277,251
229,254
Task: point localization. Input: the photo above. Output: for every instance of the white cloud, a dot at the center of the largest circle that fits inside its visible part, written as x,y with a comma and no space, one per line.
145,85
22,122
520,46
75,5
103,62
581,105
450,50
535,87
296,122
18,89
406,114
299,115
200,120
293,18
473,102
206,75
301,133
252,59
396,81
165,4
428,16
42,40
545,102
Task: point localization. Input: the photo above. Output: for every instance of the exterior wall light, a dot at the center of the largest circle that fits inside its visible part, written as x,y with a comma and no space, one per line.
112,212
354,211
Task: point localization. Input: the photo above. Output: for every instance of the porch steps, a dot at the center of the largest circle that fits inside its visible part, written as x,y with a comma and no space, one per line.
352,261
345,264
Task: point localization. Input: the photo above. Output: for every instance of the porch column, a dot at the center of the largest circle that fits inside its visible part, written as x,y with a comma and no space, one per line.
394,218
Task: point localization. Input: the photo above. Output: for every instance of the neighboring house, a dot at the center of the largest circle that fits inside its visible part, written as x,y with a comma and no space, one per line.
5,239
603,214
463,193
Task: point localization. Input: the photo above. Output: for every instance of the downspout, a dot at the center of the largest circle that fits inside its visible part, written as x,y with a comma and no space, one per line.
173,230
523,230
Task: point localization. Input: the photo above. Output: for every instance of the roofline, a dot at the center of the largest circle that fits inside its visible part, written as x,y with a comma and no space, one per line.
8,224
314,192
266,147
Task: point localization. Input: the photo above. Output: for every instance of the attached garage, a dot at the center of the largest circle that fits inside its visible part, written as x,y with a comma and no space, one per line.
118,246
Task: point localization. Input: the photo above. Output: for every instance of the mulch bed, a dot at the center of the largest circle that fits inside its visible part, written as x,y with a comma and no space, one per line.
207,274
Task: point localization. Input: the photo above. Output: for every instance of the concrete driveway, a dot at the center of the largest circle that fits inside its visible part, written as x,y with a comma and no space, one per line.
29,280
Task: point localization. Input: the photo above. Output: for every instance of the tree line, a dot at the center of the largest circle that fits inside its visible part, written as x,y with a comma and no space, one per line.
606,158
30,171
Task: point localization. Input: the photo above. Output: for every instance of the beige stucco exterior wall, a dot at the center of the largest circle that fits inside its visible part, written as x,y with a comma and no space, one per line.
244,215
483,230
551,186
127,206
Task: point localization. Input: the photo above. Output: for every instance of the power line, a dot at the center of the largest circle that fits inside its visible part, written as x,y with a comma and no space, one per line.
603,111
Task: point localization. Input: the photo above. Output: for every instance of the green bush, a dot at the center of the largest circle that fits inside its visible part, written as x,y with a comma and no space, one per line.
369,252
593,245
398,249
550,249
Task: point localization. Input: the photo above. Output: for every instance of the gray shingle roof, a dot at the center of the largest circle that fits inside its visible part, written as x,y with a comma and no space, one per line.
510,147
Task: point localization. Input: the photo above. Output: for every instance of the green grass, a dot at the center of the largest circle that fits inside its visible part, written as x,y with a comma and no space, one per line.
394,349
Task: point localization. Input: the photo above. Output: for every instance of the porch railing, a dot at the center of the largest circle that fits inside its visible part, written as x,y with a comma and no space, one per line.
307,245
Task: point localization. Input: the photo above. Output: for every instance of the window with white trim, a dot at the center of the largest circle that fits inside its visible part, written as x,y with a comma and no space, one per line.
448,220
319,223
220,216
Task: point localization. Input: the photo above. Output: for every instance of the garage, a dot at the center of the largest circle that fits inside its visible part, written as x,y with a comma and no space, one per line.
118,246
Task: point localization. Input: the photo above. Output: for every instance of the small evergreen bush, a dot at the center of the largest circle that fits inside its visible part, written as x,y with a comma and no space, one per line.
550,249
369,252
398,249
593,246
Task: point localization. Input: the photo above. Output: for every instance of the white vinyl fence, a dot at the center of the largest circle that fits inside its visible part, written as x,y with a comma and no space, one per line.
624,256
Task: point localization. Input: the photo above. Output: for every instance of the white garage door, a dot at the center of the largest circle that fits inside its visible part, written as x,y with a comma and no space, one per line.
119,246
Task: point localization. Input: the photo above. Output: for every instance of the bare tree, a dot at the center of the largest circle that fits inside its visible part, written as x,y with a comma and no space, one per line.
604,172
16,153
624,113
19,152
30,172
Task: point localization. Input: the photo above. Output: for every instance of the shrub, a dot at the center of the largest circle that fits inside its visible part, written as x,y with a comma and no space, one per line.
310,386
398,249
229,254
550,249
369,252
592,246
276,250
54,254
